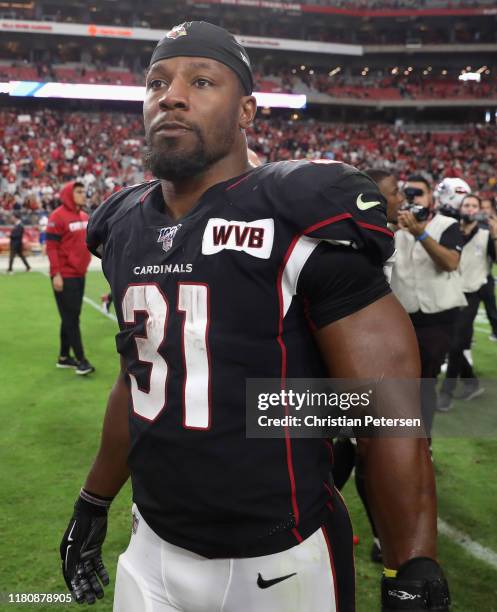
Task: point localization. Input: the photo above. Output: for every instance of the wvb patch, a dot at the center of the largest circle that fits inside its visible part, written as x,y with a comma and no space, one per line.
254,238
166,236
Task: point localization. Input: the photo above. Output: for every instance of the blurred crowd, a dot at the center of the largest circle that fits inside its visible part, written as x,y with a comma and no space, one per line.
42,150
470,152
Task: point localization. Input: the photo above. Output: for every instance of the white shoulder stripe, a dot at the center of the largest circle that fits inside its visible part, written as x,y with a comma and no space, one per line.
297,260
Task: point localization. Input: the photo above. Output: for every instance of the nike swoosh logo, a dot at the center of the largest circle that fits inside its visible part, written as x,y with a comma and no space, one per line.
264,584
361,205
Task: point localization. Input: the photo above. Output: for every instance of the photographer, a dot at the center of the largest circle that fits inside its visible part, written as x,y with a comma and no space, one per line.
487,291
479,248
426,281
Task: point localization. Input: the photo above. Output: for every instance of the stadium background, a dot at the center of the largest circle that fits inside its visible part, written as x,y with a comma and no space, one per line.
410,86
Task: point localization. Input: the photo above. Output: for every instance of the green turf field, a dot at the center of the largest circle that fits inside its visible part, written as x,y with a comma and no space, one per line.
51,421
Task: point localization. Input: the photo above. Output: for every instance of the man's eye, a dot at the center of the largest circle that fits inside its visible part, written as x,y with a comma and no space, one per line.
154,84
202,83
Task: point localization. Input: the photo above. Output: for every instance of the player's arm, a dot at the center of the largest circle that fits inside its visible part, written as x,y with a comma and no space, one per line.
400,484
81,546
364,333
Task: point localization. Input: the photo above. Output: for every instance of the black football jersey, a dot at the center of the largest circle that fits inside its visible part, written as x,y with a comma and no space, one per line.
206,302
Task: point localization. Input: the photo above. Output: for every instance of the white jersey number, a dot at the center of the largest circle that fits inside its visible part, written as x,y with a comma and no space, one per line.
193,304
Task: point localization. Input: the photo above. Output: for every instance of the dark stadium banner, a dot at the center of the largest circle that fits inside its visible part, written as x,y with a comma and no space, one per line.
101,31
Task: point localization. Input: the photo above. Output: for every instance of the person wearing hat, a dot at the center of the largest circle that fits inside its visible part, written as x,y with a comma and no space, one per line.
223,272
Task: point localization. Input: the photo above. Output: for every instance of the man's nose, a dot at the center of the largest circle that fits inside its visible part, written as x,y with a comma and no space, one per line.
174,96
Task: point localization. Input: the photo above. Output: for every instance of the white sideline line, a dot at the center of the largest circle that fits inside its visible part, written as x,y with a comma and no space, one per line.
93,304
470,546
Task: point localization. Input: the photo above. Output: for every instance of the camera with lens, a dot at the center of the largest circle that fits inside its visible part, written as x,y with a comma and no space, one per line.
479,217
421,213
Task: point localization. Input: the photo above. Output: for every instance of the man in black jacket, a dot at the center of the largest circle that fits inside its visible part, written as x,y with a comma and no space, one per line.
16,244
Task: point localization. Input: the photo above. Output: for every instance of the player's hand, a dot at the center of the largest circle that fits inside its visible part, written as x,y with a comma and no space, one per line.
58,283
409,222
81,549
420,585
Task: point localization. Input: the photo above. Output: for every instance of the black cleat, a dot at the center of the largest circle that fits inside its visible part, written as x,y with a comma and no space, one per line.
470,390
66,362
84,367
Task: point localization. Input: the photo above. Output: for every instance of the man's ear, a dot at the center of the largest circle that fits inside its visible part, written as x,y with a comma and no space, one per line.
248,109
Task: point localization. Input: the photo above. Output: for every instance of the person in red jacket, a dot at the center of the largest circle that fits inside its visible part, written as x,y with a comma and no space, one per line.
69,260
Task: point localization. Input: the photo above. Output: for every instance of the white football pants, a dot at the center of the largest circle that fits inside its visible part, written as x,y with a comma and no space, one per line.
155,576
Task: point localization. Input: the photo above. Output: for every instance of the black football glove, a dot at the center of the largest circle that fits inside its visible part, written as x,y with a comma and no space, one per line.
81,548
420,585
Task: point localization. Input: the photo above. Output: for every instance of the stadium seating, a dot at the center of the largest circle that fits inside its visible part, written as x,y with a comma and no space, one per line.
376,86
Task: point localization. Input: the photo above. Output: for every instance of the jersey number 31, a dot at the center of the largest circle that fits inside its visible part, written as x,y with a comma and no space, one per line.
193,304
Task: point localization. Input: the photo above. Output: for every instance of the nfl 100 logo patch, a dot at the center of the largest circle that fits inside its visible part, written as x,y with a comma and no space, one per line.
166,236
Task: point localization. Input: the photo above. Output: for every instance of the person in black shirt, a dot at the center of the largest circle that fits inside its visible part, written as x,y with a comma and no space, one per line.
223,272
16,236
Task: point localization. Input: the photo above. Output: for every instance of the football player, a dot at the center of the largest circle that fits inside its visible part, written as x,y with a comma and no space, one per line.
389,188
223,272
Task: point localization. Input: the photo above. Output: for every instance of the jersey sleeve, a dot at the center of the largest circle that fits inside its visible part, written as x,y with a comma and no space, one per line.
340,205
337,281
452,238
100,221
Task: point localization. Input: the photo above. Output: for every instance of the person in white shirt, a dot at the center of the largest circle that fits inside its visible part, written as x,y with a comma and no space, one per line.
426,281
478,249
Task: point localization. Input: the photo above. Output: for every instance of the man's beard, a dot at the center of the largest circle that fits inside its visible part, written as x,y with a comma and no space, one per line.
166,162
